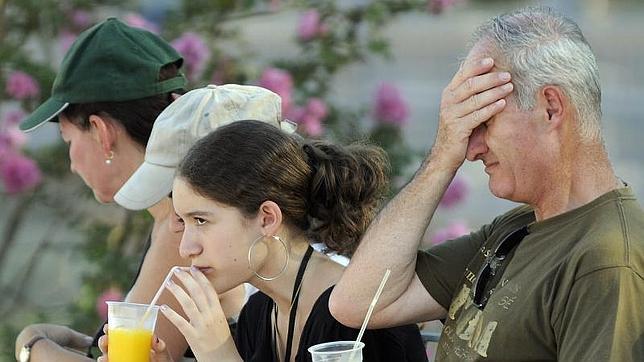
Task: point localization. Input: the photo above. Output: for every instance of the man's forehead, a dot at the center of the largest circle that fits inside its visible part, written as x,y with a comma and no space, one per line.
481,49
486,49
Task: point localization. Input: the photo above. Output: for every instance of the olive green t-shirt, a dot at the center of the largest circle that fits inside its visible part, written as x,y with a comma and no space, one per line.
572,291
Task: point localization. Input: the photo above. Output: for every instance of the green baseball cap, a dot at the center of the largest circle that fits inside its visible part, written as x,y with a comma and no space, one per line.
110,62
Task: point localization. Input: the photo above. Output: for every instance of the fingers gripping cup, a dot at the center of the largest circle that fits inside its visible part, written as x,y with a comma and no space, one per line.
338,351
130,331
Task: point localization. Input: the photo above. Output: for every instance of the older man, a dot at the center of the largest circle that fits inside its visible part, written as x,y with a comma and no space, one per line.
559,278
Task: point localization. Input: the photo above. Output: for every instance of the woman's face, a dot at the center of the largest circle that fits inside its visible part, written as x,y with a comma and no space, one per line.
87,159
216,237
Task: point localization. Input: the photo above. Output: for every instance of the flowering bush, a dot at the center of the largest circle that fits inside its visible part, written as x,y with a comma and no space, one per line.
21,86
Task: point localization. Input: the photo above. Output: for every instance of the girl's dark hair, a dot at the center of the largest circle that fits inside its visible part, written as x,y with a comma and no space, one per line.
328,191
137,116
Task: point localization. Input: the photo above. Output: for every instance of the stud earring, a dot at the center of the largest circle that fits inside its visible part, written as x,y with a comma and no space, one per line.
108,159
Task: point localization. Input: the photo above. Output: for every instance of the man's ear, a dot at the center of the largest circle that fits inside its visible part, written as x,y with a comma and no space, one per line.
556,105
104,131
270,218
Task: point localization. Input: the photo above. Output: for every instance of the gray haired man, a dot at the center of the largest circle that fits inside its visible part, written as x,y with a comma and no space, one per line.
560,277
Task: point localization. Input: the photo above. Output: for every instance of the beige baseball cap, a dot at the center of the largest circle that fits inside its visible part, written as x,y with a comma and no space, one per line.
185,121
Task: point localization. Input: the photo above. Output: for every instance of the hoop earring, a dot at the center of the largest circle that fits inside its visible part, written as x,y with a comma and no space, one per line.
250,263
108,159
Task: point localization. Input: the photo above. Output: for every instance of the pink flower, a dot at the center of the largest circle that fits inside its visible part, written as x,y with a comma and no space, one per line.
10,141
113,294
280,82
13,117
65,40
81,19
195,53
310,26
317,108
310,117
452,231
455,193
138,21
312,125
389,106
21,85
18,173
438,6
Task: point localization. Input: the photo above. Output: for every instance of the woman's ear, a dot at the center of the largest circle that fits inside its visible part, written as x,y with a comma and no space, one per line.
270,218
104,131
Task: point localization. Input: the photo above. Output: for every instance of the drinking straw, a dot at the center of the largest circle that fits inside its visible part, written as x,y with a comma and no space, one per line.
371,306
156,296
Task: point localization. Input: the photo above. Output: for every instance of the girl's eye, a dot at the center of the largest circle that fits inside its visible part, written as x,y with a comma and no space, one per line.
199,221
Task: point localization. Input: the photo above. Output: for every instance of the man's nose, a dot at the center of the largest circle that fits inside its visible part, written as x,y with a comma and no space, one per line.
476,146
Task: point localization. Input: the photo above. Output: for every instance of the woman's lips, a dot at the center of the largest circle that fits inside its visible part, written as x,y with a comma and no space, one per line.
204,269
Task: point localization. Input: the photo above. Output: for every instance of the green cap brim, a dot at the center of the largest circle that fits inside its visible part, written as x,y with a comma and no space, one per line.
47,111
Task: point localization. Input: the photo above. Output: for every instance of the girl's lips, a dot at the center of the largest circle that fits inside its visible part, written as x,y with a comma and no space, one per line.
204,269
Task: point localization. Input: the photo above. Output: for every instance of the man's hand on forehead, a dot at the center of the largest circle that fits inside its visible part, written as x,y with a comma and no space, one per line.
475,94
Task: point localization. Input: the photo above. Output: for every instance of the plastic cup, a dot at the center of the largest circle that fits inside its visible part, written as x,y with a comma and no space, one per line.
339,351
130,337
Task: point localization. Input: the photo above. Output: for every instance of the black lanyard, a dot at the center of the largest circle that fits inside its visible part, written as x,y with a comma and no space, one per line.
294,301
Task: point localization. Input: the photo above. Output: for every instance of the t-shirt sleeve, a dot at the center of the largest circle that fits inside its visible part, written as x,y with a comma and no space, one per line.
440,268
603,319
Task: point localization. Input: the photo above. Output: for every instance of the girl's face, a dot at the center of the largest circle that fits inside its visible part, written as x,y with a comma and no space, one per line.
87,159
216,237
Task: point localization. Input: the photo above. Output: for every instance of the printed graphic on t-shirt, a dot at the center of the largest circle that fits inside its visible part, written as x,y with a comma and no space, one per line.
469,331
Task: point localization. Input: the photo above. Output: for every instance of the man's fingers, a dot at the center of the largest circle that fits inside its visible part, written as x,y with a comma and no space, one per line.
477,84
482,115
79,340
470,69
480,100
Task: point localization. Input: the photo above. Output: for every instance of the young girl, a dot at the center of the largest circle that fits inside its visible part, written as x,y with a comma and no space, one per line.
253,199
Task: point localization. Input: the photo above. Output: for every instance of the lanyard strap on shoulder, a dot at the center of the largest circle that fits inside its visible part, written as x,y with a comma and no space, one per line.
294,301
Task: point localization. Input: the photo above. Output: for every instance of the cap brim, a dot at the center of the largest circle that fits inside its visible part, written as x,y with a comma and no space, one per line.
46,112
148,185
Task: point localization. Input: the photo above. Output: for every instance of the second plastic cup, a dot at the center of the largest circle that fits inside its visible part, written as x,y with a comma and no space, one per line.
339,351
130,337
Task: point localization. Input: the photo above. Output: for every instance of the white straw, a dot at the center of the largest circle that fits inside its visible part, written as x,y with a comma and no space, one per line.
158,295
371,306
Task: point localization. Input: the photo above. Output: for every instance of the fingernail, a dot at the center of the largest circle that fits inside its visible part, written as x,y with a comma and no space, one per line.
504,76
500,102
487,62
178,271
194,269
169,284
164,307
507,86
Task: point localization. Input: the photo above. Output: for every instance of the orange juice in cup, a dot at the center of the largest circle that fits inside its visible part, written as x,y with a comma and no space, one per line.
130,331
